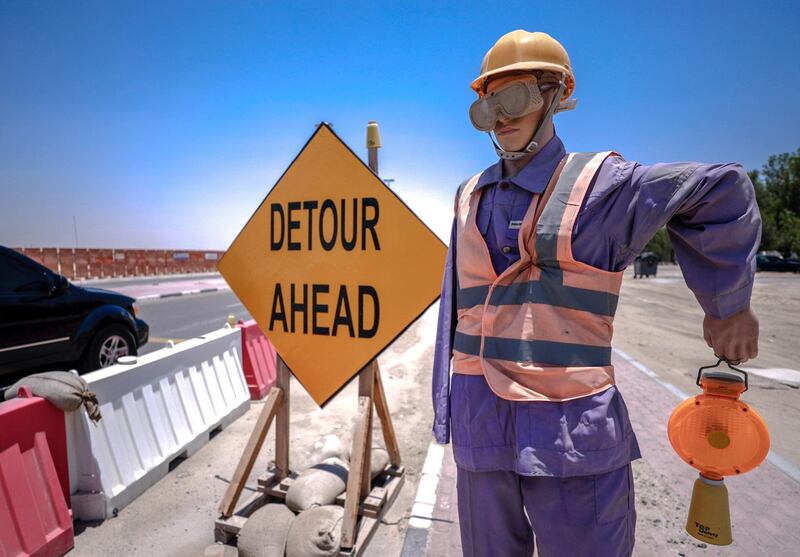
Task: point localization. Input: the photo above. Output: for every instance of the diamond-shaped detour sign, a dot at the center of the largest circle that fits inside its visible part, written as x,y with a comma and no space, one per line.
333,266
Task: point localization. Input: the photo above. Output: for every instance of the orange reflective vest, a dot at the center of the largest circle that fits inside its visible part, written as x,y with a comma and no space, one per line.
542,329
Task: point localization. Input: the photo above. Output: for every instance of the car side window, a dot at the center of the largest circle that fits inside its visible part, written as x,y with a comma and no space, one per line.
16,278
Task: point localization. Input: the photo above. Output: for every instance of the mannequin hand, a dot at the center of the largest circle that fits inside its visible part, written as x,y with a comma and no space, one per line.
734,339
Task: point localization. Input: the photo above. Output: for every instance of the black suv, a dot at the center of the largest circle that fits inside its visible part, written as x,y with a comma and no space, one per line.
44,319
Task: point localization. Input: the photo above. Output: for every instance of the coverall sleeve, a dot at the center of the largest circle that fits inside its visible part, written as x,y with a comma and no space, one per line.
445,330
711,216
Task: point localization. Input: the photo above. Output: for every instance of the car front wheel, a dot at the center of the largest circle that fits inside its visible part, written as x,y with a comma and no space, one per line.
109,344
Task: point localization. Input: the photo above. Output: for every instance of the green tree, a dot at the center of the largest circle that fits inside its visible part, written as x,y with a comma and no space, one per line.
778,194
661,246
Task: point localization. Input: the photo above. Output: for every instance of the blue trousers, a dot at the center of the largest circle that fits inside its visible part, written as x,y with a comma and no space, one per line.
566,517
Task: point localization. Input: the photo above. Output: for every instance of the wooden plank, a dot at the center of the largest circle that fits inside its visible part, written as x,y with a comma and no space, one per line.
393,470
274,401
267,479
282,421
227,528
278,489
379,493
382,409
354,478
366,387
369,525
371,506
381,498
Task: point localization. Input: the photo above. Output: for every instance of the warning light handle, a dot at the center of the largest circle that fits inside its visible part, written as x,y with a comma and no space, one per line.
700,372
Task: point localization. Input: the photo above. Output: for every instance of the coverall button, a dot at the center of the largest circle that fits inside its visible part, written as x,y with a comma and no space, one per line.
503,185
506,249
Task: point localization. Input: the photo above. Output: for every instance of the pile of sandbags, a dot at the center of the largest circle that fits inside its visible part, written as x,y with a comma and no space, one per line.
276,531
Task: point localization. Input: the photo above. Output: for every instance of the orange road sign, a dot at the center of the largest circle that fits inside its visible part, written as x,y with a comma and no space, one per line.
333,266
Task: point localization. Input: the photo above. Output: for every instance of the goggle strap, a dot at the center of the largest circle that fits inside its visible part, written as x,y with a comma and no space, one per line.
550,111
509,155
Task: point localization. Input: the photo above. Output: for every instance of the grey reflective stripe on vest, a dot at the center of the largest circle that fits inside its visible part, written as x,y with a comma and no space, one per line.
553,213
545,351
548,292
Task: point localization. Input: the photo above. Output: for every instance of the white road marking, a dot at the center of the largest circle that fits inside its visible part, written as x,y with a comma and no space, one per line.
783,375
422,510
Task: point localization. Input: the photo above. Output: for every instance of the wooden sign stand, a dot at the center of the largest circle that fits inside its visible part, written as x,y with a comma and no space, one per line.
364,503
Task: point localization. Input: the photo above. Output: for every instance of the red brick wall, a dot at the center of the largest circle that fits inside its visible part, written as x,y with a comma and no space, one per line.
83,263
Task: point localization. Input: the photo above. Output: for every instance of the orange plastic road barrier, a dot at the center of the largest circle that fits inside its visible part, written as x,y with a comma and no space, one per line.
258,360
34,480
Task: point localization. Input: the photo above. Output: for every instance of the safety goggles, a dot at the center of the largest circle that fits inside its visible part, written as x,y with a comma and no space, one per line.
512,101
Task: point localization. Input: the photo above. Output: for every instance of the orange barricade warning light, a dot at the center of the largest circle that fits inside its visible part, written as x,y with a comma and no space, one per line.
719,435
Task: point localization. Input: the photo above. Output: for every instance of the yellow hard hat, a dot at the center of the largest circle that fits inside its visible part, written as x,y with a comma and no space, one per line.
521,50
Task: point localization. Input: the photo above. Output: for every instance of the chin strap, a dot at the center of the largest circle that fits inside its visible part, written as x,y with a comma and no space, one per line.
534,142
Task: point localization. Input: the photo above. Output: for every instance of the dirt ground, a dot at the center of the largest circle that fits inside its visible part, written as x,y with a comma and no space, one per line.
660,323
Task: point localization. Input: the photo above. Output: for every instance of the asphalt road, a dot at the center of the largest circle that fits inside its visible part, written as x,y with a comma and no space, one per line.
186,317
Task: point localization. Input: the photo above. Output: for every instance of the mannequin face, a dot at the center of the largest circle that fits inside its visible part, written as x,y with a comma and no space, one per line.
514,135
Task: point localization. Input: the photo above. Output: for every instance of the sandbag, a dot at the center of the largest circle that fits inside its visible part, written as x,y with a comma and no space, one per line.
265,532
379,459
316,532
220,550
65,390
328,446
318,485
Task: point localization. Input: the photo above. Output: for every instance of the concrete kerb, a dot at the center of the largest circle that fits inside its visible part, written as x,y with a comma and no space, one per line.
95,281
182,293
419,524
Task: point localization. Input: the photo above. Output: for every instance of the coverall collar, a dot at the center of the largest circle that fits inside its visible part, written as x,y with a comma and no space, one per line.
534,176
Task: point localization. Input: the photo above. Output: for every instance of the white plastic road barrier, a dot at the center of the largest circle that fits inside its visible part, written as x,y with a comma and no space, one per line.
164,406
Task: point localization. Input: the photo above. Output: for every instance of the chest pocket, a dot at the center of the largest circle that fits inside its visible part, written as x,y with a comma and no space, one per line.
515,216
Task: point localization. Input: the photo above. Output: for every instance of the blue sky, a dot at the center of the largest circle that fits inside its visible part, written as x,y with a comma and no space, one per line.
164,124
